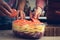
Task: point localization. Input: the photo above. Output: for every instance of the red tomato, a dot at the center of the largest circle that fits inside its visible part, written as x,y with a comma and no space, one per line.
14,13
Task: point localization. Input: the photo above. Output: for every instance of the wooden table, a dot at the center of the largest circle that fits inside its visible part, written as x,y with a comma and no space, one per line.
8,35
52,30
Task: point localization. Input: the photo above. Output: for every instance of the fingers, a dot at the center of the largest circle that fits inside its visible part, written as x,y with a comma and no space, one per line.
37,12
6,6
17,17
35,16
21,14
2,14
38,16
4,10
14,13
30,14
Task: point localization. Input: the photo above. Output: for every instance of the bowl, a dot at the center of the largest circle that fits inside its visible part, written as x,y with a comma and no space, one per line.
28,32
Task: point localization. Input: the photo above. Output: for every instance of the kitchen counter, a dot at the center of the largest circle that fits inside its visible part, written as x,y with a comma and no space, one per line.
8,35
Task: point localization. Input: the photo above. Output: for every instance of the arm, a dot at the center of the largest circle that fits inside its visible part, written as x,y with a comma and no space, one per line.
6,10
4,5
21,4
39,7
40,3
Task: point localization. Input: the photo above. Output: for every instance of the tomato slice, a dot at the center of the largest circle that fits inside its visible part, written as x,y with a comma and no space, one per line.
14,13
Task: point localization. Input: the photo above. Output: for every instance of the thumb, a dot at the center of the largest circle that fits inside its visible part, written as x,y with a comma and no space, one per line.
14,13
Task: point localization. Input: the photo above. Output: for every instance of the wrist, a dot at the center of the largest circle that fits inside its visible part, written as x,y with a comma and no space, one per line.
39,9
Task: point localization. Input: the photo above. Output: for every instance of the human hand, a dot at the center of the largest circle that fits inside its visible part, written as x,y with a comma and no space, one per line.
21,14
37,12
6,10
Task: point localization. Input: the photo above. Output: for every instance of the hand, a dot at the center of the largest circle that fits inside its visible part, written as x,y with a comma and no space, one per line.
14,13
21,15
6,10
32,16
37,12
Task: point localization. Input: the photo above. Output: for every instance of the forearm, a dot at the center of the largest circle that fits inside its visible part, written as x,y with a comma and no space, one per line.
1,0
40,3
21,4
39,8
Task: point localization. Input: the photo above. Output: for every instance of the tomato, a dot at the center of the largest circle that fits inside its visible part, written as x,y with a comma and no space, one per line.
14,13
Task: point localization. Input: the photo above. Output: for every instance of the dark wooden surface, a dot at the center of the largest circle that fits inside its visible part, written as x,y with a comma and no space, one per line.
52,30
8,35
